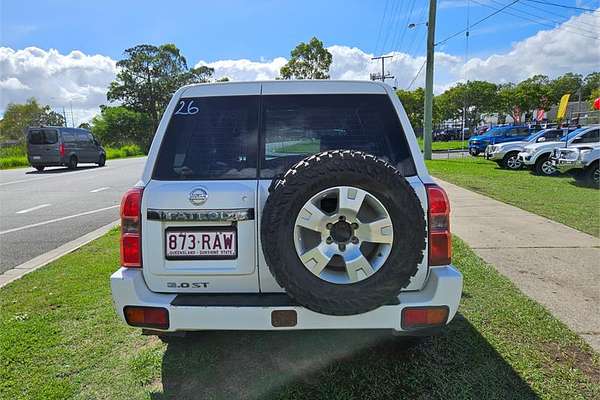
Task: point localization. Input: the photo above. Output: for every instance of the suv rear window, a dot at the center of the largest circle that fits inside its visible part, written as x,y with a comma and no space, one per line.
43,136
295,126
210,138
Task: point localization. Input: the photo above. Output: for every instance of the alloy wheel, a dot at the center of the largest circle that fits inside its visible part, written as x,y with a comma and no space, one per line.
548,168
513,162
343,234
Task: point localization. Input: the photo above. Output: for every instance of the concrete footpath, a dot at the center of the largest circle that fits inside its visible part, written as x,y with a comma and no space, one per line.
557,266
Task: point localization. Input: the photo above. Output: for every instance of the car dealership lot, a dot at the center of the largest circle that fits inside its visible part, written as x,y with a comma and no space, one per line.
42,211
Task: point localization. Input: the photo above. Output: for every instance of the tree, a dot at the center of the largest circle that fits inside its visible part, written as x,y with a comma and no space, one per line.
528,95
308,61
509,103
149,75
18,117
590,83
413,105
567,83
85,125
469,99
118,126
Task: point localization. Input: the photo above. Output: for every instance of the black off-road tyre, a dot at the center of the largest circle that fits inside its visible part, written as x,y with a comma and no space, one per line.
342,168
102,160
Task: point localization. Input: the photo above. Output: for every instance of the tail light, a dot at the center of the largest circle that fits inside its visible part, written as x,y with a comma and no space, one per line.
439,238
424,317
61,149
147,317
131,228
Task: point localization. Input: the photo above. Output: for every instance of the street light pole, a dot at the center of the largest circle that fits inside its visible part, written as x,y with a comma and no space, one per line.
428,117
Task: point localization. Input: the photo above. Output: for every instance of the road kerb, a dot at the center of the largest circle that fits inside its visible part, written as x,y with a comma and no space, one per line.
44,259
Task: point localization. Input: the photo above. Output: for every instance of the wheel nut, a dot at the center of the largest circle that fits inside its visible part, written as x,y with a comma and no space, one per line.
329,225
354,240
329,240
354,225
342,218
342,247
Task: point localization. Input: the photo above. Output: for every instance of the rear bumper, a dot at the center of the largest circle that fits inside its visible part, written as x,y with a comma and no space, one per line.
443,288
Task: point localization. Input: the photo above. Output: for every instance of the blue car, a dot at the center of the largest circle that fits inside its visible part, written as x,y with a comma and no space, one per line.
499,134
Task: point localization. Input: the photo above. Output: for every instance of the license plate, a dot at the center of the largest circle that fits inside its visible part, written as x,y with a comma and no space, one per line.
36,157
201,244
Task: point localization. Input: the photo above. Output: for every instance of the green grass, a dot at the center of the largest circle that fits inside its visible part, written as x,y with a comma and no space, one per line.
131,150
557,198
60,338
443,146
15,157
310,147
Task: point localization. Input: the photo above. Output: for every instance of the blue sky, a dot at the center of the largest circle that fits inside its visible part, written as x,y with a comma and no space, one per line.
253,29
64,52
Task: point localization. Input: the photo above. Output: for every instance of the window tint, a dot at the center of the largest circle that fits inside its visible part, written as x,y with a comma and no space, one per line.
210,138
68,137
592,136
43,136
83,137
299,125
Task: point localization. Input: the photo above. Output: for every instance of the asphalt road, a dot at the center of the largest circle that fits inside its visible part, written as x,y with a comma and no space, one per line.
42,211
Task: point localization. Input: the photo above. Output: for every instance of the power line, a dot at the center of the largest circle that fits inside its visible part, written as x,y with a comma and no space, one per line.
394,9
405,26
381,25
409,49
417,75
575,32
477,22
579,30
561,15
548,3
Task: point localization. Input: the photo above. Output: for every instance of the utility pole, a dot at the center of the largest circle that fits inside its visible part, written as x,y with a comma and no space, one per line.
428,117
72,118
382,76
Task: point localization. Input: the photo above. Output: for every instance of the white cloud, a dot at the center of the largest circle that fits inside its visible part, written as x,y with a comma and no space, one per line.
246,70
60,80
80,79
12,84
550,52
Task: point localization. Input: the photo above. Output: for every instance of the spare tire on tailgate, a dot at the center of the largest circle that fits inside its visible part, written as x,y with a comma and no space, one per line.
343,232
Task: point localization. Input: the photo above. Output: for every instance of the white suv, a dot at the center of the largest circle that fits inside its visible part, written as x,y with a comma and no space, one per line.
537,156
285,205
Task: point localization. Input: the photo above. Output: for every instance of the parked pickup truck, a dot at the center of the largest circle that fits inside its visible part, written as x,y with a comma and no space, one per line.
582,161
498,134
506,154
286,205
537,155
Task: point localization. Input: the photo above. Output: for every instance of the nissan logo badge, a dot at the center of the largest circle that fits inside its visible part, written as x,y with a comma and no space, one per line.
198,196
